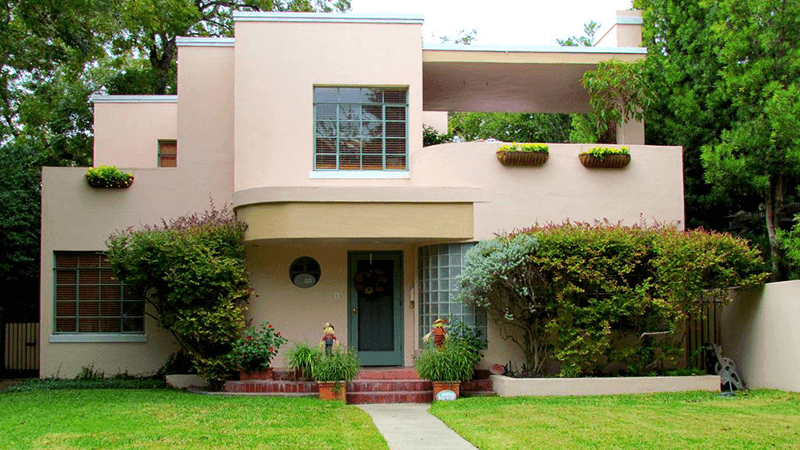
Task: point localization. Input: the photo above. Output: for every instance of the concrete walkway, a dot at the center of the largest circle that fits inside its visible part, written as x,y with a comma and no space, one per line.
409,426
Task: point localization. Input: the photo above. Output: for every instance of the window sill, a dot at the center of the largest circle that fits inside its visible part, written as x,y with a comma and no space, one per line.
96,338
356,174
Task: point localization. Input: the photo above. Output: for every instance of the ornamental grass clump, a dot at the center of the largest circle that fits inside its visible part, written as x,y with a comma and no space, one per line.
256,348
301,358
340,365
108,177
453,361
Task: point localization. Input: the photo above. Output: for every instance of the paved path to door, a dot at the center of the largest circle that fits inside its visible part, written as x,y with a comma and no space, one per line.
409,426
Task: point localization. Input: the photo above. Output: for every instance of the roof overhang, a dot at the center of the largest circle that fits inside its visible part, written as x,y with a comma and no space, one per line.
531,79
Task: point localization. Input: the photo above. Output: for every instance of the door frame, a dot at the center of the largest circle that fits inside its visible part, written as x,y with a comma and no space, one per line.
389,358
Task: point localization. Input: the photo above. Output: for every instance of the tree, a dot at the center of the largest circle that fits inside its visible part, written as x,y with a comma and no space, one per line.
191,272
759,152
684,70
618,92
590,30
20,186
149,28
511,127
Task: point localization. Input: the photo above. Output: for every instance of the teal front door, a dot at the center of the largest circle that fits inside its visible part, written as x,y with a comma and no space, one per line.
375,303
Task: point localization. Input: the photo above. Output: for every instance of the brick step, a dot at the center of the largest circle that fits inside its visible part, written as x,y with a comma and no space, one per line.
389,397
478,394
389,385
477,385
388,373
271,386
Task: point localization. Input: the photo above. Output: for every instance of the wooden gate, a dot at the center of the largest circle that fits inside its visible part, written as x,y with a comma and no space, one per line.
704,328
21,351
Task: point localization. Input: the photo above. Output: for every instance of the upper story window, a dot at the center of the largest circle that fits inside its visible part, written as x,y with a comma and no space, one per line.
167,153
360,128
89,299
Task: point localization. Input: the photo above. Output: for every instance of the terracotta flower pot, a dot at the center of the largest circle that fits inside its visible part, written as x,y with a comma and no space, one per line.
511,158
439,386
332,390
614,161
263,374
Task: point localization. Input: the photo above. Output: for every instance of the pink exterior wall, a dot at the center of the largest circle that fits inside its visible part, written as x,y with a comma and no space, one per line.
760,333
80,218
276,71
650,188
127,131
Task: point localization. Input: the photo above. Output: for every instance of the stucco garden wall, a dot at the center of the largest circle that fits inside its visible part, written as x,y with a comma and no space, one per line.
761,333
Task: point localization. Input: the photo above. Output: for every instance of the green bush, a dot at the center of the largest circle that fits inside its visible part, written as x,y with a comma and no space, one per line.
256,348
191,272
585,294
340,365
453,361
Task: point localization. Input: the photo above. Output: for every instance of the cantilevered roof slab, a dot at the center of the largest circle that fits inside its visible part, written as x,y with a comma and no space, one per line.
491,79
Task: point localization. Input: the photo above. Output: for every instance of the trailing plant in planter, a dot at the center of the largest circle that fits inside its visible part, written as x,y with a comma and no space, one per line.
608,157
302,358
523,154
333,371
253,352
108,177
447,366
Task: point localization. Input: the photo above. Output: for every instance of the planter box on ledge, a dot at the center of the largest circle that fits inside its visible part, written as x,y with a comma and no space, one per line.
518,387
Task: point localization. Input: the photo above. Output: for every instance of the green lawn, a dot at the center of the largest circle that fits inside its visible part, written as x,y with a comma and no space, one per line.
163,419
694,420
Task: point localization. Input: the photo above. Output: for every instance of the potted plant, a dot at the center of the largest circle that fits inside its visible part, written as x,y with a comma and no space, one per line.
301,358
108,177
605,157
254,351
334,371
447,366
523,154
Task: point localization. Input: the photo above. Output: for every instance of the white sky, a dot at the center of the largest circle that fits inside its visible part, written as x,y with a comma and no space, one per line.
503,22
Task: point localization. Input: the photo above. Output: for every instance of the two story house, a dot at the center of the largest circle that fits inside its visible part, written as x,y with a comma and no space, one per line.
310,127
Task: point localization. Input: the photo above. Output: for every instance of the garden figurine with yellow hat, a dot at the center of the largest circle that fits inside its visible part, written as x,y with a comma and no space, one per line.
439,333
329,338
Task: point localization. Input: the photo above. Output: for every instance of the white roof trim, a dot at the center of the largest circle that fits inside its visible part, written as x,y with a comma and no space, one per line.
533,49
134,98
205,41
249,16
628,20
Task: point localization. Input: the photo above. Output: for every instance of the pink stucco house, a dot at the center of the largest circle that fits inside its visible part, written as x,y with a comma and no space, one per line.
310,126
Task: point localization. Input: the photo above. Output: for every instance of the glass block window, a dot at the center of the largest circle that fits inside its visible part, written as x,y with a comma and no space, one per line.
89,299
360,128
439,265
167,153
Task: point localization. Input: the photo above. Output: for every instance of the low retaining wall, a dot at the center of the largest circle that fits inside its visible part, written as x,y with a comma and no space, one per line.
185,381
761,333
517,387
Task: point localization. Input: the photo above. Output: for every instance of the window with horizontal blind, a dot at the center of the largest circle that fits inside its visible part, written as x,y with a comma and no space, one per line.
168,153
360,128
89,299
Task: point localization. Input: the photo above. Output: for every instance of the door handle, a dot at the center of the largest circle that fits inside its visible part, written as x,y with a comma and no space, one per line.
354,311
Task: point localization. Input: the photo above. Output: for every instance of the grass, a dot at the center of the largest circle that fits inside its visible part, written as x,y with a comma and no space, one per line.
165,419
696,420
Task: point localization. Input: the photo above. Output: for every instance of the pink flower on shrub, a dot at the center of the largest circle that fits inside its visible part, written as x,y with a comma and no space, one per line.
269,325
272,349
279,333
